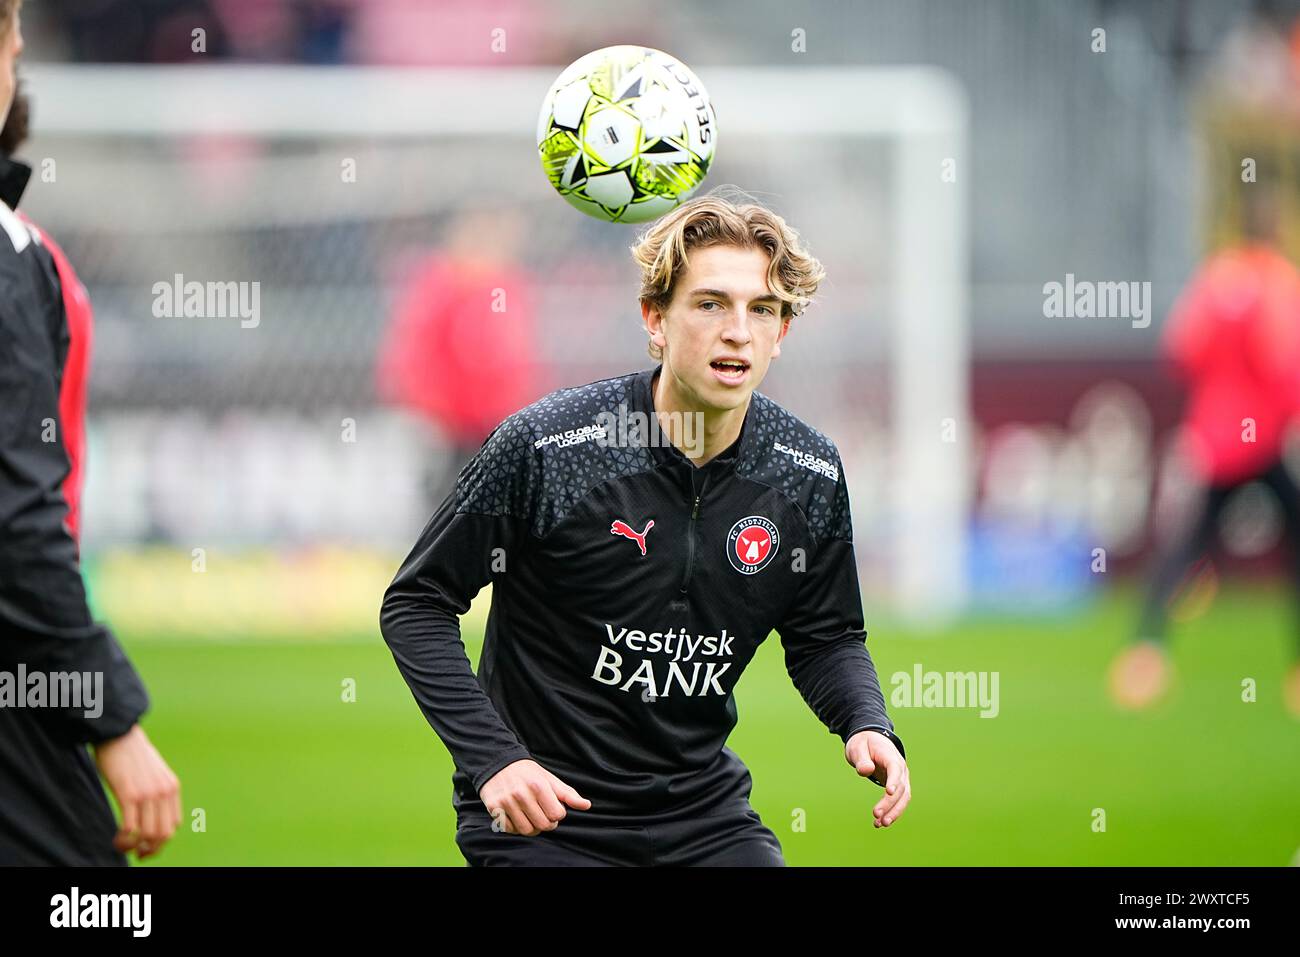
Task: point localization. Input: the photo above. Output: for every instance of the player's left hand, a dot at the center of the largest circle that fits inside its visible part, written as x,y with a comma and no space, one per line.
874,756
147,791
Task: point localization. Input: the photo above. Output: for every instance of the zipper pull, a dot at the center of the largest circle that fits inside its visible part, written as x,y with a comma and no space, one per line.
696,510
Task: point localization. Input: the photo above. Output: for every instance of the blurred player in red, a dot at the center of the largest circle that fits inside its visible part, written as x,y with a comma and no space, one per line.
1234,336
459,350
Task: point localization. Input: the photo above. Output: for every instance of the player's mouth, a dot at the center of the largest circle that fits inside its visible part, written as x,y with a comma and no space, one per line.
730,371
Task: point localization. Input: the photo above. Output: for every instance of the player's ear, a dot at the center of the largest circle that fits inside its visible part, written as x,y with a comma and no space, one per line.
654,323
776,346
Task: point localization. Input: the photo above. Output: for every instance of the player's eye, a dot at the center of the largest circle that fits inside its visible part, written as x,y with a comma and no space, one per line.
708,302
767,309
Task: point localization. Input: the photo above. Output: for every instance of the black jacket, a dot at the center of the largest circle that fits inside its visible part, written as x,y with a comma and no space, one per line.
52,806
584,668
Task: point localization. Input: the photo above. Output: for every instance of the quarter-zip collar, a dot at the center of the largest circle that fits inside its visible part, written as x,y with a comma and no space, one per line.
665,453
14,175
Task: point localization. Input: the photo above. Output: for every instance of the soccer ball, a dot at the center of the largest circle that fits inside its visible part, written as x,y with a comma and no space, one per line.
626,133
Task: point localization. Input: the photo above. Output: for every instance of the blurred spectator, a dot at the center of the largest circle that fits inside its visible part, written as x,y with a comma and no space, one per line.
447,33
163,31
302,31
134,31
384,32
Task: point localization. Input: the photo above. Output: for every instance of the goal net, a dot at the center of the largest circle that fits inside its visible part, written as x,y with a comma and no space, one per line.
314,192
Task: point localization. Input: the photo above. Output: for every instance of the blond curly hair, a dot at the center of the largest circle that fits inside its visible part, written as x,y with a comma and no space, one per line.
716,220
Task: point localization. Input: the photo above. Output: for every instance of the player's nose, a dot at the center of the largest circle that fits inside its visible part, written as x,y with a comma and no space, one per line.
737,330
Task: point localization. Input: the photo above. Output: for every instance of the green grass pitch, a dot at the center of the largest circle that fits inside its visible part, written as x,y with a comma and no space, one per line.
286,772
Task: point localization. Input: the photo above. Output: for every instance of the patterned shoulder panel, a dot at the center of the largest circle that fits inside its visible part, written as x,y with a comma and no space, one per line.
540,461
791,456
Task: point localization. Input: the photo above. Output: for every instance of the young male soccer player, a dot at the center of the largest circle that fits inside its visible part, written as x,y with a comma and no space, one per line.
52,807
634,577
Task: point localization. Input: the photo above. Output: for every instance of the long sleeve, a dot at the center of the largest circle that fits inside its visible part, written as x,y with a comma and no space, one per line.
45,621
482,521
824,640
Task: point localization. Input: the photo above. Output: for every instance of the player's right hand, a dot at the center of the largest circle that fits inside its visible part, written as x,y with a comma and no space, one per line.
147,791
524,798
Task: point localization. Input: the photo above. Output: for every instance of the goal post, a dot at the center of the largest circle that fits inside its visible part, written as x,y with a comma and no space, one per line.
877,155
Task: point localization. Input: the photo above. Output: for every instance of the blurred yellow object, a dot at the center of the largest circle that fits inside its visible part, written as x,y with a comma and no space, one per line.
1291,690
323,592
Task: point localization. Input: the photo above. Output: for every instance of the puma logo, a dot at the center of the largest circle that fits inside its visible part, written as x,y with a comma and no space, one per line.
621,527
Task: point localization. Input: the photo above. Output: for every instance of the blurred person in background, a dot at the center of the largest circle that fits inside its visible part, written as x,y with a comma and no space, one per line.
53,810
1234,337
459,351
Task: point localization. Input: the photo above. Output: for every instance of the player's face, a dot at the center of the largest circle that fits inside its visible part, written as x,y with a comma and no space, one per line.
11,49
722,309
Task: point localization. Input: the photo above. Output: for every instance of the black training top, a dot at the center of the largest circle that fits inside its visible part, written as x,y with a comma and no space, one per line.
45,621
629,591
52,805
